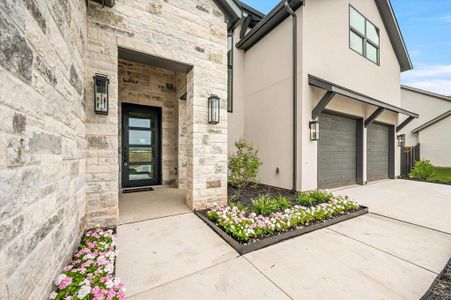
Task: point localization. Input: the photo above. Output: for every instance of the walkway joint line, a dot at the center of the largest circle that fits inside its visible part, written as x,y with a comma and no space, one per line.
384,251
269,279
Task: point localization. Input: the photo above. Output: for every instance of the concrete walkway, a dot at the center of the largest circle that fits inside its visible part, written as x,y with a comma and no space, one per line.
370,257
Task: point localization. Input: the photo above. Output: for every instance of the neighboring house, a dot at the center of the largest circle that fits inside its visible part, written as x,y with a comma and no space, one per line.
349,56
432,130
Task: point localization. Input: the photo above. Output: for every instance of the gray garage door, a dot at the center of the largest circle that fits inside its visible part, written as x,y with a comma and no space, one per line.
337,155
378,151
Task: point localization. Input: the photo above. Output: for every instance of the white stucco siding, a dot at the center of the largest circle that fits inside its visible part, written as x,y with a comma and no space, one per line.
435,143
428,107
268,102
236,117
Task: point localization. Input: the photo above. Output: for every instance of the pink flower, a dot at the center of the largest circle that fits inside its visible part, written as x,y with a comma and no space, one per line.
64,283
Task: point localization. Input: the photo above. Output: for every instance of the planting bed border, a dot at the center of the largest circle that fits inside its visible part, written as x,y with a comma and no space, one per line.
271,240
427,181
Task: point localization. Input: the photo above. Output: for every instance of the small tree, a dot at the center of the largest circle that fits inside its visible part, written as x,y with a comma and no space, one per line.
243,166
423,170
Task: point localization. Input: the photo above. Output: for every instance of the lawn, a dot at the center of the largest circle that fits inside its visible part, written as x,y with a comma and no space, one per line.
441,174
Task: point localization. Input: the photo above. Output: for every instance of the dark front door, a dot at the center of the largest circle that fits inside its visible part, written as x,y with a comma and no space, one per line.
141,145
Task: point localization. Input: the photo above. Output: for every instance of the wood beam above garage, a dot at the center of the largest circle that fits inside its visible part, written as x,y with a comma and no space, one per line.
374,115
404,124
322,104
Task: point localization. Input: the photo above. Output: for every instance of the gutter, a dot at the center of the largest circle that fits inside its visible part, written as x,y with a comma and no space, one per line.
295,94
276,16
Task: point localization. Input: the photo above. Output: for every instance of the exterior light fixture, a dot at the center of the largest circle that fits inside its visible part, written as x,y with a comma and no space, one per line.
314,130
101,94
401,140
213,109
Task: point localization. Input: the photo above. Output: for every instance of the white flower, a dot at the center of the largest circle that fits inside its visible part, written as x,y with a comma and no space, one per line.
83,291
109,284
117,281
60,278
85,282
53,295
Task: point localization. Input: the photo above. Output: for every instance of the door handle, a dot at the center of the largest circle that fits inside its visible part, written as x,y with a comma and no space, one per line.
125,155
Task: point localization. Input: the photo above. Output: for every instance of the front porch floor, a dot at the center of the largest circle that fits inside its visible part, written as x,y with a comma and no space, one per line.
142,206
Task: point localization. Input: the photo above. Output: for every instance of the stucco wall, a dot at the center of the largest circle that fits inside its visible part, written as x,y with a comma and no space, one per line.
326,54
42,141
427,107
191,32
435,143
237,117
268,106
323,51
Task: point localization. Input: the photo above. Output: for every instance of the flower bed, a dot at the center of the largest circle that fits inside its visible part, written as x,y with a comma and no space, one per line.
244,227
246,230
90,274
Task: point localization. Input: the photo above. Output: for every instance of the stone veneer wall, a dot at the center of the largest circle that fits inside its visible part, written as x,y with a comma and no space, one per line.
151,86
42,141
188,31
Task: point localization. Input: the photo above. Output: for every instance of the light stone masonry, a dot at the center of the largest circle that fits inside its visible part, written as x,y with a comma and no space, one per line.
59,161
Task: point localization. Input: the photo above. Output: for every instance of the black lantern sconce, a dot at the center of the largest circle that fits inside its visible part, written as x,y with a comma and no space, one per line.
401,140
101,94
314,130
214,107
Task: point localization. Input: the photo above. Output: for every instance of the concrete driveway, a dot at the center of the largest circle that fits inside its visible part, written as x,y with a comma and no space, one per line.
370,257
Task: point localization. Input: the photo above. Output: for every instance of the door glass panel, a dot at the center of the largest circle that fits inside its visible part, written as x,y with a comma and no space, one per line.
140,172
140,137
356,43
137,154
137,122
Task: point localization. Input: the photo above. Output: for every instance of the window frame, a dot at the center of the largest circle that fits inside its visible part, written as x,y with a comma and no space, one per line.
364,37
230,73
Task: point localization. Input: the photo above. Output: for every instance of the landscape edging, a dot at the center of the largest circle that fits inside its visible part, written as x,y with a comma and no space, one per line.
259,244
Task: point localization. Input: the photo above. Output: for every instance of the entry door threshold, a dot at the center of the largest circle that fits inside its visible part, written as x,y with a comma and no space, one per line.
138,189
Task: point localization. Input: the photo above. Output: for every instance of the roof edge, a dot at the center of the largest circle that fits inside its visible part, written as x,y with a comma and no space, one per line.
230,9
394,33
432,122
276,16
424,92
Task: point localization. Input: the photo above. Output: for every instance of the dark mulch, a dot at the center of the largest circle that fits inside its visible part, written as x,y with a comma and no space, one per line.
441,287
245,195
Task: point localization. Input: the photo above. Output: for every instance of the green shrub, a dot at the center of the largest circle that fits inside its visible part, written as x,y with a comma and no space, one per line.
240,206
243,166
321,196
282,203
314,197
304,199
264,205
423,170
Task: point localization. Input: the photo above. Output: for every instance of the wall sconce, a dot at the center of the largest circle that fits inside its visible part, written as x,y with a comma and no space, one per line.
101,94
314,130
401,140
213,109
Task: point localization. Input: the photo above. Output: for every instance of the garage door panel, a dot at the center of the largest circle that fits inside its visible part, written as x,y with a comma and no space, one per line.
378,151
337,153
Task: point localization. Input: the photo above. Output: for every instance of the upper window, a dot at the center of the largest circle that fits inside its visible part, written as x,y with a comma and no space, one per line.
364,37
230,72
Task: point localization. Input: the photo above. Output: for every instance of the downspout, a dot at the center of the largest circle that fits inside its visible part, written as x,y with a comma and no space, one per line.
295,94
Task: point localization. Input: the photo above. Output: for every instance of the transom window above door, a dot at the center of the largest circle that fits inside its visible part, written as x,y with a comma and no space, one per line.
364,36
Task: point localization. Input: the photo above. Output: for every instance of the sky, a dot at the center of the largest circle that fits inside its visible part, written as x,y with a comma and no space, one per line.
426,27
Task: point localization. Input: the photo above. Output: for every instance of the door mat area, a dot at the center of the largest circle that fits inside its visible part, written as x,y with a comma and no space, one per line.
136,190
